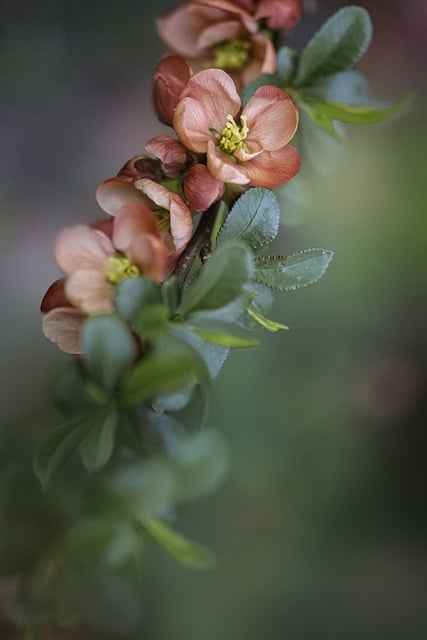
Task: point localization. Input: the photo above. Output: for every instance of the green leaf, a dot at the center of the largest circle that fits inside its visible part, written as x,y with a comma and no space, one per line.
268,324
295,271
69,390
58,446
169,368
319,117
254,219
97,446
338,45
220,280
180,548
134,293
225,334
286,63
109,350
212,355
260,81
358,113
171,293
345,86
152,321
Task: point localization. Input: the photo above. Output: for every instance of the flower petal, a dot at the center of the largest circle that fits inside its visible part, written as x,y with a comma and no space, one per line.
223,167
233,8
63,327
273,168
89,291
207,99
181,220
174,156
262,59
180,28
133,220
280,14
169,79
54,297
113,193
272,117
81,247
201,188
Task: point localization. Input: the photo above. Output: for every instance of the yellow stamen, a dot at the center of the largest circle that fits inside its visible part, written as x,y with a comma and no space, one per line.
232,136
120,268
231,54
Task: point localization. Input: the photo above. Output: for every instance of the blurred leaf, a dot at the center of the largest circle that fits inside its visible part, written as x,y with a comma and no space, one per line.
338,45
167,369
69,390
260,81
220,280
60,443
97,447
345,86
294,271
213,356
286,62
171,293
180,548
358,113
152,321
254,219
134,293
109,349
202,459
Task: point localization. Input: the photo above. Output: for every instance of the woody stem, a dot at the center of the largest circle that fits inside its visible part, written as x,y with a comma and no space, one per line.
198,243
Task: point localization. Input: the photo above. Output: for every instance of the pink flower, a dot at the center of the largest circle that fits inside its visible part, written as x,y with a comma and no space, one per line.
169,79
95,259
220,34
279,14
243,146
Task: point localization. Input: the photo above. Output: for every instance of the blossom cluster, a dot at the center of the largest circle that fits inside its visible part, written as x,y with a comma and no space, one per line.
218,148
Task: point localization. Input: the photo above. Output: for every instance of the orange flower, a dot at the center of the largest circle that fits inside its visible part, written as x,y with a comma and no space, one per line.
218,34
95,259
243,146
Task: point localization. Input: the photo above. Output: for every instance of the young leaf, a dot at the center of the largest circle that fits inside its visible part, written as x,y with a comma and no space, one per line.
212,355
293,272
180,548
109,350
97,446
358,113
266,323
225,334
338,45
58,446
254,219
220,280
319,117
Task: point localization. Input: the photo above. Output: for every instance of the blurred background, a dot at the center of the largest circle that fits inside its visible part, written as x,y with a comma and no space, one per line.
320,527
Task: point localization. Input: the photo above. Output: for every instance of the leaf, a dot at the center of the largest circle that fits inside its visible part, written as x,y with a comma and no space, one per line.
220,280
109,350
260,81
254,219
338,45
212,355
359,113
345,86
58,446
319,117
286,63
134,293
168,368
298,270
69,389
171,293
97,447
152,321
180,548
268,324
225,334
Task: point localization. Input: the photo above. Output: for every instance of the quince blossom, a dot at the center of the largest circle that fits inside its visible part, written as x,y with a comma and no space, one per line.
95,259
218,34
243,146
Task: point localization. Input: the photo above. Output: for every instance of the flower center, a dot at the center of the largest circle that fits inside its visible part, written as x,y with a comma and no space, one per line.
230,54
163,219
120,268
232,136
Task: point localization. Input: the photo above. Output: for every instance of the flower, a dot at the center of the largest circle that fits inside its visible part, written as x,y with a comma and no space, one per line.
173,216
95,259
169,79
219,34
243,146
